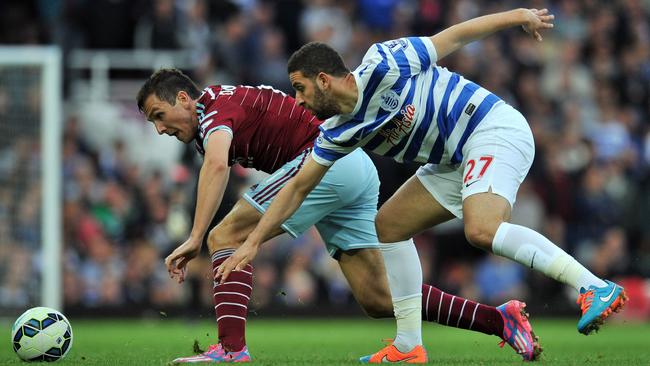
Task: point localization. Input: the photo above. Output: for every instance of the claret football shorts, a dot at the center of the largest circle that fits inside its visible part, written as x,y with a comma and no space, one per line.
496,158
343,205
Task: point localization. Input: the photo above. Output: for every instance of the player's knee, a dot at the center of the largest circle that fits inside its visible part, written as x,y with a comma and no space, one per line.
386,230
480,236
221,238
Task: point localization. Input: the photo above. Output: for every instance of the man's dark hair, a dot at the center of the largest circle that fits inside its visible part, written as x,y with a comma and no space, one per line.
165,84
316,57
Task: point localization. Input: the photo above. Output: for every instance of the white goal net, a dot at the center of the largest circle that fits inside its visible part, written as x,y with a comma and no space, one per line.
30,178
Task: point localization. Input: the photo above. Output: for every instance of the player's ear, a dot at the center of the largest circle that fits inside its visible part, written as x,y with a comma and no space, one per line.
183,98
323,80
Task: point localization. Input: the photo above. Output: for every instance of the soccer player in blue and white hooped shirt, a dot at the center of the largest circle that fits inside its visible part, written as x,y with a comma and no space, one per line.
475,150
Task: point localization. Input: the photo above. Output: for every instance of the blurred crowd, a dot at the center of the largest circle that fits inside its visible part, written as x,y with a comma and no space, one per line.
585,90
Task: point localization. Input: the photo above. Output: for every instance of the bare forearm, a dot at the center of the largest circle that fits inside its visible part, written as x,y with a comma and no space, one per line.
212,184
474,29
285,204
477,28
287,201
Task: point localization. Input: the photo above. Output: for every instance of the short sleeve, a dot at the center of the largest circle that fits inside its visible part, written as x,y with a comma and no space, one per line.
409,56
218,116
326,153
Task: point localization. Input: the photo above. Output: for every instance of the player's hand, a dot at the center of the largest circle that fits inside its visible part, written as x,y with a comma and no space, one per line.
537,20
237,261
177,261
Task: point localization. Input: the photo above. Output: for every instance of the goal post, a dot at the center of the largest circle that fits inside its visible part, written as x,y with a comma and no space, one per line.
18,63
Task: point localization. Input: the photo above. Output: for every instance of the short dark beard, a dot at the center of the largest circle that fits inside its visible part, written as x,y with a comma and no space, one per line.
324,105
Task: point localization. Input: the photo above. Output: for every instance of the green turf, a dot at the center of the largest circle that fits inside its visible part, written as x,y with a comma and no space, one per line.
341,342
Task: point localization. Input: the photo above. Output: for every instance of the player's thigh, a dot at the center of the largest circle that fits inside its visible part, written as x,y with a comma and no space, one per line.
496,162
409,211
233,230
365,272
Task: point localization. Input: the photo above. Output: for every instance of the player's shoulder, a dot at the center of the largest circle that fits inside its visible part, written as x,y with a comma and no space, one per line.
380,50
213,93
219,97
334,122
209,93
376,64
217,91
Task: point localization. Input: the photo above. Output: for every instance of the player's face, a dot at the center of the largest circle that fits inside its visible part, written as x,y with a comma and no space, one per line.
173,120
311,96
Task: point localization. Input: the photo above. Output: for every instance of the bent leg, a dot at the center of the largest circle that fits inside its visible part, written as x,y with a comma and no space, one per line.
233,230
231,298
486,226
409,211
365,273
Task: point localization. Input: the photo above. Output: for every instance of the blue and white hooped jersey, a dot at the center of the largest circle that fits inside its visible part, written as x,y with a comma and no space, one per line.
408,108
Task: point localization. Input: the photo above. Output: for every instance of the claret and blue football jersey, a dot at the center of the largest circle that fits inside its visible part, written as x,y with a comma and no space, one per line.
408,108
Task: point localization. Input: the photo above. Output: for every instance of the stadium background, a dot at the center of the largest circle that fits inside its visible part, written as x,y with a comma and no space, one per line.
128,194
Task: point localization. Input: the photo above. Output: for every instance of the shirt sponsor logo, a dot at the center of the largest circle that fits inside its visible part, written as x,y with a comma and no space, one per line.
389,101
402,126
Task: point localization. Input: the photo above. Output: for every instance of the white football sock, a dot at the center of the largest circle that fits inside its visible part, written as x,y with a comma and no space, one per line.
533,250
405,282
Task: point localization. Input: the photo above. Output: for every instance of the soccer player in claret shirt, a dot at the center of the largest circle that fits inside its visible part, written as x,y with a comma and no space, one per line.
262,128
475,150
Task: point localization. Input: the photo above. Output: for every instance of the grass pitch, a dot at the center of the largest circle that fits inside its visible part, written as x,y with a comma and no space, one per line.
341,342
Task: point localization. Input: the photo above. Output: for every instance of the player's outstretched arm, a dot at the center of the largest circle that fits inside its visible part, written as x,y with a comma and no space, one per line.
213,179
285,204
456,36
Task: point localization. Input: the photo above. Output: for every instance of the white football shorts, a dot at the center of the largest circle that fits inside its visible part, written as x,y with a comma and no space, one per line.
496,157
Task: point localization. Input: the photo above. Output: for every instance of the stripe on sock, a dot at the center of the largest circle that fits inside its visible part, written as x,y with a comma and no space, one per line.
462,312
427,305
473,316
442,294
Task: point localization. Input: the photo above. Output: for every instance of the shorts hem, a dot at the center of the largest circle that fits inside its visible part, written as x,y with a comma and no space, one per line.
333,250
490,189
437,197
262,210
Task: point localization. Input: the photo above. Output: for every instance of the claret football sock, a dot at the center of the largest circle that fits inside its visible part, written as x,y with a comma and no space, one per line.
533,250
405,282
454,311
231,302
